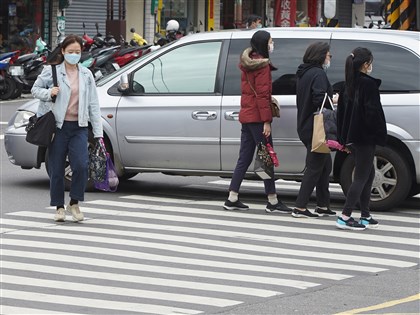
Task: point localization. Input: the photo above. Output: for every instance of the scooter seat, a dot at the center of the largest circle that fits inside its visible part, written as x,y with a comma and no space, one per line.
27,57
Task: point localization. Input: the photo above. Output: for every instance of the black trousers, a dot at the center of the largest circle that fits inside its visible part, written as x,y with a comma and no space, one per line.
361,187
251,135
317,174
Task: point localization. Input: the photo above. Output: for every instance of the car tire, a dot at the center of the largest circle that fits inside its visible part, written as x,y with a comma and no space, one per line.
392,181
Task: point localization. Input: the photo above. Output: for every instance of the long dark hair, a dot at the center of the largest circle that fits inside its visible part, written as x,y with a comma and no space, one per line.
56,57
354,62
259,43
316,53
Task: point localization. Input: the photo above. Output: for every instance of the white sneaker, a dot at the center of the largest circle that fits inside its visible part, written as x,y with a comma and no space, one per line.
75,212
60,215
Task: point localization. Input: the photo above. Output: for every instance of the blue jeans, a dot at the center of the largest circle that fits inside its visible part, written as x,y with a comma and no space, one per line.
70,140
251,135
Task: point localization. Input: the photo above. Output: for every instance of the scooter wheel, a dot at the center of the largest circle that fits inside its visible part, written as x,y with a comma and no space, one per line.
7,88
18,90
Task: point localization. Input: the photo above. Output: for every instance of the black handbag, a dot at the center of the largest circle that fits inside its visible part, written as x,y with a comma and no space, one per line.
41,130
263,165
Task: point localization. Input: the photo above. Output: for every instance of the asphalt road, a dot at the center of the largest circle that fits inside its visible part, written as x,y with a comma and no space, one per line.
163,245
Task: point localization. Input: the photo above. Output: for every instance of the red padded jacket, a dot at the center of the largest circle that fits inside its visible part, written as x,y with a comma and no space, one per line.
256,88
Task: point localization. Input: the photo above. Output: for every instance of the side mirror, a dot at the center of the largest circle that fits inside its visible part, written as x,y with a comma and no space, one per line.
124,86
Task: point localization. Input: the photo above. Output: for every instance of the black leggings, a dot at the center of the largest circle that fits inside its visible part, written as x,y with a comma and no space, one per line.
364,173
317,174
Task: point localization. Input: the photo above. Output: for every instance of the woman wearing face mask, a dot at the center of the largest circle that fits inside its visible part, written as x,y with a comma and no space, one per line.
76,104
312,84
255,117
361,125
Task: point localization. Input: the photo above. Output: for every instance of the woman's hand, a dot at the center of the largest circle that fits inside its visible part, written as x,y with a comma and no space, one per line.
335,98
267,129
54,91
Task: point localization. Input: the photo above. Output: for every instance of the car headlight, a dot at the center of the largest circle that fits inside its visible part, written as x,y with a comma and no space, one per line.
22,118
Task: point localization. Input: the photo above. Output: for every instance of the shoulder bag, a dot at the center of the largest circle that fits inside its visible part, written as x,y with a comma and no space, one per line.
325,128
275,106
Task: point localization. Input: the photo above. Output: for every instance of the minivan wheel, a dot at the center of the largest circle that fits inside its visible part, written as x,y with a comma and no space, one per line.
392,181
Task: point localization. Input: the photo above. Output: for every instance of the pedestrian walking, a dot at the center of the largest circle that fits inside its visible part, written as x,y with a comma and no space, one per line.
256,117
253,21
311,86
76,104
361,126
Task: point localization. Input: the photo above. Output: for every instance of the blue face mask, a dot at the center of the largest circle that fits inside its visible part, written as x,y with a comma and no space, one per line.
259,25
72,58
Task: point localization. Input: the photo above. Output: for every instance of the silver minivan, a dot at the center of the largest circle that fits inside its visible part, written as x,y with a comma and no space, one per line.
179,114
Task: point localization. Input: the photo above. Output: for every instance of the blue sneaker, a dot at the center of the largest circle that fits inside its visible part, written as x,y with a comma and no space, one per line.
350,224
369,222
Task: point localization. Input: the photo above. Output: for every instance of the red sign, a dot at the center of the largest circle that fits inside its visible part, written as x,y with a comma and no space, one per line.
285,13
211,9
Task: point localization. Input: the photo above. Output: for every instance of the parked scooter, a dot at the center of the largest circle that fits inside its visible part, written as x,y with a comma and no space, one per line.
31,66
137,39
87,40
7,84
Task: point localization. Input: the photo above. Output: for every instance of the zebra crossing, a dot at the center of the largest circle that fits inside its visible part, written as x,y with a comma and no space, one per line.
141,254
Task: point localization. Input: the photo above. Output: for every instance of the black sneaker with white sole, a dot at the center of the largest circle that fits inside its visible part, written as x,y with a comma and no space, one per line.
303,214
369,222
279,207
324,212
237,205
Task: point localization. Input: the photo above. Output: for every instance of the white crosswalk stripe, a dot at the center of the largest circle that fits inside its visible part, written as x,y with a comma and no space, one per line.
153,255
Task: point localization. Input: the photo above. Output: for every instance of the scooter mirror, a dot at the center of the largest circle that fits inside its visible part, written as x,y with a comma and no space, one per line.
123,86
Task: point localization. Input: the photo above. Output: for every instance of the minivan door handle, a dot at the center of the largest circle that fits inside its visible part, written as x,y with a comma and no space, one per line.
204,115
232,115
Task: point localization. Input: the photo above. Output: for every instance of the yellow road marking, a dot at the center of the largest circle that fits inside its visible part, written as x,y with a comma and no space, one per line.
382,305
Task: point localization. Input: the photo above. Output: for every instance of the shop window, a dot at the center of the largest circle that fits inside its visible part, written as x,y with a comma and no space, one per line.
175,10
21,24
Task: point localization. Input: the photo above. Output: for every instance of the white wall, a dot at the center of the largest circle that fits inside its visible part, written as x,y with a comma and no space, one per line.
359,13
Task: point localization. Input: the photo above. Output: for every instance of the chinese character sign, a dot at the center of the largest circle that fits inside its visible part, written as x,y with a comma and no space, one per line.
285,13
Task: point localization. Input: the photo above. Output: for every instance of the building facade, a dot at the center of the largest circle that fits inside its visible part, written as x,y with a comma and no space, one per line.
23,21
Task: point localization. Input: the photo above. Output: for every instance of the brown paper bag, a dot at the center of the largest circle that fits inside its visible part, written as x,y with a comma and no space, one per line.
319,143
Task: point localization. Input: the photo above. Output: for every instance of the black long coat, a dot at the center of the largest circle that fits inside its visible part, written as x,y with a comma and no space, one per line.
362,121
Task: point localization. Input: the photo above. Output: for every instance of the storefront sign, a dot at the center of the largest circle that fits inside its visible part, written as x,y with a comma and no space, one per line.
210,18
154,7
285,13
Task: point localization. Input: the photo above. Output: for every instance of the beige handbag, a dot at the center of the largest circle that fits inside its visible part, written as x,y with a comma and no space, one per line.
319,140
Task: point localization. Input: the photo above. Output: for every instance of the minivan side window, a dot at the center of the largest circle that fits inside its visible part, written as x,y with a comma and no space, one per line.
287,56
187,69
397,67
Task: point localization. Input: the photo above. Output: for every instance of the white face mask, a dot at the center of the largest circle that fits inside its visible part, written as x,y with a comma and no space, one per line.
72,58
325,66
369,70
270,47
